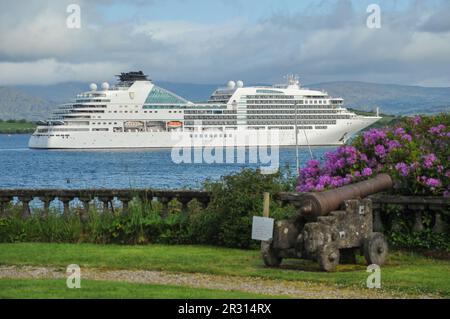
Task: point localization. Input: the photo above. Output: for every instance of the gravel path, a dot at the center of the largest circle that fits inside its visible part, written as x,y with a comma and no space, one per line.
295,289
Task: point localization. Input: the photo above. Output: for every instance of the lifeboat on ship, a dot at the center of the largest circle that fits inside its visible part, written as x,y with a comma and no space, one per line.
174,124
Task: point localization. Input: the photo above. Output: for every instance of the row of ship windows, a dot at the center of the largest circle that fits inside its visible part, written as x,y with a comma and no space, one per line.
104,123
318,102
92,100
83,112
88,106
210,112
206,117
290,107
64,130
117,129
291,111
220,97
210,123
210,135
326,122
270,96
309,117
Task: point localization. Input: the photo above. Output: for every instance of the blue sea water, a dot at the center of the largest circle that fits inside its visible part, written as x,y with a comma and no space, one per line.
21,167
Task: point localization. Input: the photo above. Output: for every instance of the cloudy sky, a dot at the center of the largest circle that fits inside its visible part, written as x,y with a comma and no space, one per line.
213,41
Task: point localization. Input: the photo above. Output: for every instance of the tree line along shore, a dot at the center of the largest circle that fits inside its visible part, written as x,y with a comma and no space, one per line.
16,126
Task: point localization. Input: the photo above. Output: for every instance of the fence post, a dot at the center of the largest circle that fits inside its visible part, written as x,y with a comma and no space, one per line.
418,224
26,212
165,206
266,204
3,203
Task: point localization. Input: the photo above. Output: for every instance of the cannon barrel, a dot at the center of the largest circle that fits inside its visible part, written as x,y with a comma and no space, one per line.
319,204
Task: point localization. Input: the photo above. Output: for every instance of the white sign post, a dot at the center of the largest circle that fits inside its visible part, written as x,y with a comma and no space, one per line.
262,228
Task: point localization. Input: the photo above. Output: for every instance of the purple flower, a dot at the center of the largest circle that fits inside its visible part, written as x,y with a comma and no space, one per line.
433,182
407,137
393,144
367,172
374,135
319,187
429,160
380,151
437,129
402,168
357,174
417,120
399,131
340,163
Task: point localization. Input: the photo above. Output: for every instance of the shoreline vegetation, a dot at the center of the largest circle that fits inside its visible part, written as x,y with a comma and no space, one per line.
16,126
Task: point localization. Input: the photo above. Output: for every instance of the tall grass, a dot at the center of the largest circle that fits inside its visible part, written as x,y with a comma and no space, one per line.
142,224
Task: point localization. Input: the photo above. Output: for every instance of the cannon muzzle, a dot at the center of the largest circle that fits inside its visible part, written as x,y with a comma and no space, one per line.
319,204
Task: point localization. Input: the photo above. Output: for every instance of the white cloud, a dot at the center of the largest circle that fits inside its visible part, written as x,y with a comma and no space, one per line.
321,47
50,71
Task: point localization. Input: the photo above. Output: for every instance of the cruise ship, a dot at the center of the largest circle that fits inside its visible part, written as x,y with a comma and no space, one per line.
136,113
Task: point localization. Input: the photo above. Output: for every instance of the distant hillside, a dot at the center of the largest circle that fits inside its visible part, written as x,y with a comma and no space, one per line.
18,105
391,98
34,102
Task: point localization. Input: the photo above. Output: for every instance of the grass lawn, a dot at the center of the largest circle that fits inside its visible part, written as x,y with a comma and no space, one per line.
56,288
16,127
404,272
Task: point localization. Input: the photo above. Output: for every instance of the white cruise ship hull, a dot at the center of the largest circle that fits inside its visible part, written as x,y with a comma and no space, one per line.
334,135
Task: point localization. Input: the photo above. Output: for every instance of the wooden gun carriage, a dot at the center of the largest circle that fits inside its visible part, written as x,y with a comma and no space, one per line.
329,227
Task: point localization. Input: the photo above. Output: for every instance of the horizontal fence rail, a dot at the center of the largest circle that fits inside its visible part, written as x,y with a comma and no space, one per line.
105,196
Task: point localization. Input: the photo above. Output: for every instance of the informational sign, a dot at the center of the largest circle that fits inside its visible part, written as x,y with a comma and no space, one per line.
262,228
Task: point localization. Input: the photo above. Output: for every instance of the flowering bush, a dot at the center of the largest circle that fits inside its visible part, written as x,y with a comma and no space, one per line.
415,152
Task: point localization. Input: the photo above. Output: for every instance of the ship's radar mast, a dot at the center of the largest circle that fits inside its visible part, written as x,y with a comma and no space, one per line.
293,81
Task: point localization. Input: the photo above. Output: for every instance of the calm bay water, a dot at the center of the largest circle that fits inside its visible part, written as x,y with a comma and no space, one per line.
21,167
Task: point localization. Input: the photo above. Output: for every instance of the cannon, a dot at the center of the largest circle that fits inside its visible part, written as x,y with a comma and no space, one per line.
329,227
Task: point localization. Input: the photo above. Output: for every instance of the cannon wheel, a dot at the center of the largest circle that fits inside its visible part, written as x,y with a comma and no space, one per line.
270,257
329,257
375,249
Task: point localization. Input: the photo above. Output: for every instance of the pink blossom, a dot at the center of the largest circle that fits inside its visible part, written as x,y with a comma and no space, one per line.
367,171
